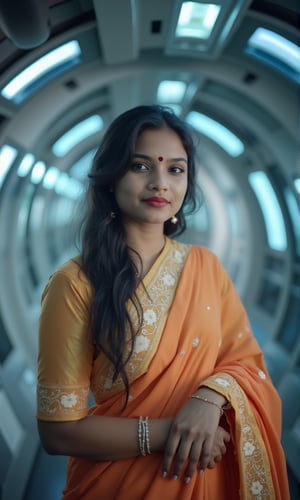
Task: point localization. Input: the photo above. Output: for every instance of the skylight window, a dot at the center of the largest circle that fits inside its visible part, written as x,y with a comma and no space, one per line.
272,213
41,71
77,134
7,157
276,51
196,20
25,165
217,132
171,91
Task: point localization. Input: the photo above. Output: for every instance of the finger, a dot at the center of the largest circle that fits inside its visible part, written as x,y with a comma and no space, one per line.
206,453
193,460
170,451
185,452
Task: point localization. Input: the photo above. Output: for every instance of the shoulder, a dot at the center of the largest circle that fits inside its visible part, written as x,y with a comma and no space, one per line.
203,261
69,278
205,254
72,271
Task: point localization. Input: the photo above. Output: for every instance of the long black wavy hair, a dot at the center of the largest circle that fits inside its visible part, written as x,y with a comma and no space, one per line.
105,255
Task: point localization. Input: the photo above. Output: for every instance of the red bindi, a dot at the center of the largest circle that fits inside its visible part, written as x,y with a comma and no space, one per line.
160,158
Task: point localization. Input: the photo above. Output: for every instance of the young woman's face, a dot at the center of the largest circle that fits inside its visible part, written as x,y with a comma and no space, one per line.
153,189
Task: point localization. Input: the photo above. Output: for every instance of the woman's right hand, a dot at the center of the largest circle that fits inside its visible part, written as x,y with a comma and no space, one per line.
193,441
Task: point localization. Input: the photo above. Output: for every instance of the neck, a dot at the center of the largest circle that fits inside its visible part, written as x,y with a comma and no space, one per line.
148,242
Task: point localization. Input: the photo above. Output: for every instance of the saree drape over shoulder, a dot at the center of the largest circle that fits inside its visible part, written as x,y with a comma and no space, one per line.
195,333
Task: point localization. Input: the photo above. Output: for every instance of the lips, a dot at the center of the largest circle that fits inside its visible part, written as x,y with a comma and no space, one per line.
157,202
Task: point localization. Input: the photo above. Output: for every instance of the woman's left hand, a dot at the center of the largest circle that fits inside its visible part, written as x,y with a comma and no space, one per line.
192,436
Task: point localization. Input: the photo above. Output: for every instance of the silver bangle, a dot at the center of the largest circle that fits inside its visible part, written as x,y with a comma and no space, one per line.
143,436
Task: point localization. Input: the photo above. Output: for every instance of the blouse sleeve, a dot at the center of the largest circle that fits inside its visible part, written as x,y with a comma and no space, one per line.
65,352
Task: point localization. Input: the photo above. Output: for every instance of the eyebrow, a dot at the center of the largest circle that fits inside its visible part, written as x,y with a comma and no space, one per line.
146,157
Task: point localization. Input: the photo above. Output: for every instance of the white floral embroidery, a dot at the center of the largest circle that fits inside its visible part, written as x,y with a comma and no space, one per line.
178,256
68,400
168,279
220,343
239,335
248,449
256,487
182,353
262,375
257,477
150,317
195,342
141,344
155,301
208,308
222,382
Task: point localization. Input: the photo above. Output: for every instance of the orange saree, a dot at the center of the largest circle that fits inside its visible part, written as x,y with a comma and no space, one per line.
195,333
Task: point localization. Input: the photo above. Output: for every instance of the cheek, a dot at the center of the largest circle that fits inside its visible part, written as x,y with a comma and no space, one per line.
182,188
124,191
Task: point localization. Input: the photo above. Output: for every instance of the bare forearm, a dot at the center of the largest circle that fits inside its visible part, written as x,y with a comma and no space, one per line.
101,438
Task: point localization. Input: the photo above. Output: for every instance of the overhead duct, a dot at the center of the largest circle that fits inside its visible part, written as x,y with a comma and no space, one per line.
25,22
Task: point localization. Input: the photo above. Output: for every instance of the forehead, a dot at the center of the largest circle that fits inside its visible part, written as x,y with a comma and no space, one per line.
160,142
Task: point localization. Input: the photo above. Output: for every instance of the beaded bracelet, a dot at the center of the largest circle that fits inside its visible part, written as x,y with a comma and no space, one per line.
195,396
143,436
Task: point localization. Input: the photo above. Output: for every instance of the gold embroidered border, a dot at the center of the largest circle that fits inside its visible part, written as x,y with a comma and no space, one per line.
156,297
255,475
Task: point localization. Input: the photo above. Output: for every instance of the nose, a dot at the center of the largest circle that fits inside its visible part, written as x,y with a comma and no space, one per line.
158,183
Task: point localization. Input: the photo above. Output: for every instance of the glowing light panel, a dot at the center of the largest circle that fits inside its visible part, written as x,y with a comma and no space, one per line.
77,134
270,207
217,132
7,157
25,165
41,71
171,91
297,184
275,50
196,19
38,172
51,177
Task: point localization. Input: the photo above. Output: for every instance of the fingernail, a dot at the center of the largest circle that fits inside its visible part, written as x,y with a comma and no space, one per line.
187,479
175,477
164,473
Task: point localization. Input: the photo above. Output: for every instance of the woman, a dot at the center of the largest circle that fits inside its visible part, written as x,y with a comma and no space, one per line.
155,329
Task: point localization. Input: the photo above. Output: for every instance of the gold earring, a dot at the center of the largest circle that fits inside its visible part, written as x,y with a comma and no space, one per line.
174,219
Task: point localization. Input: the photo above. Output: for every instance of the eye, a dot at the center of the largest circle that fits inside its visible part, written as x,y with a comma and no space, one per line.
139,167
176,169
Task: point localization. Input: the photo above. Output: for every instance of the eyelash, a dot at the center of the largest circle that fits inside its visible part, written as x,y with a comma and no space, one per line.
135,167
